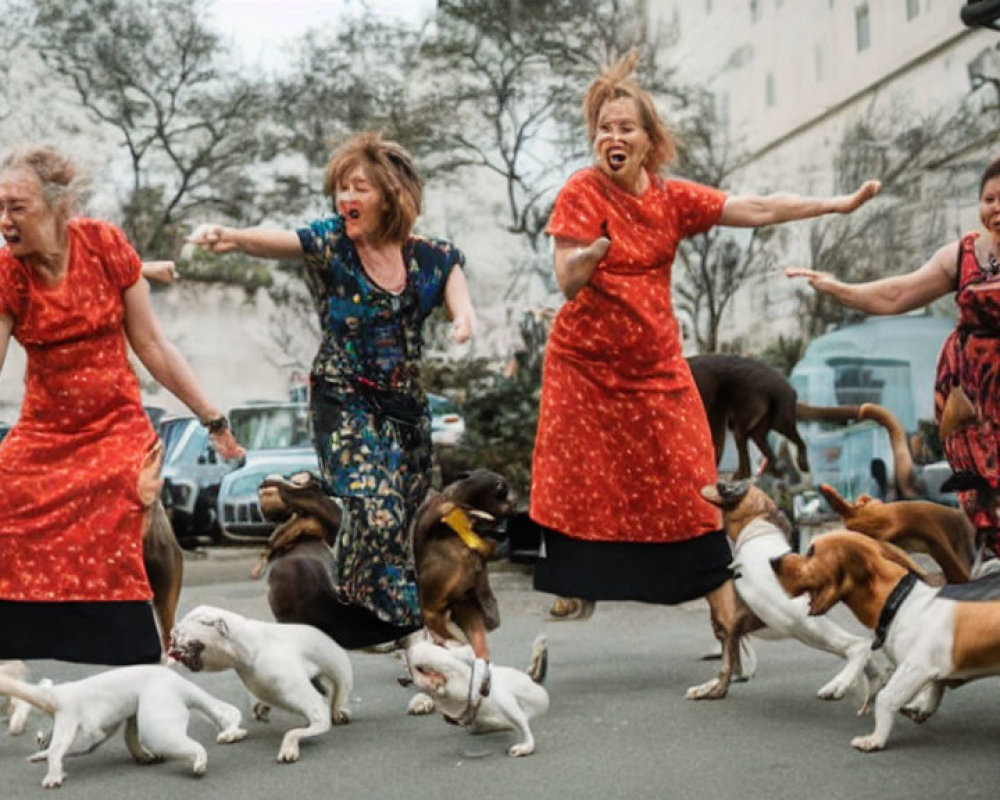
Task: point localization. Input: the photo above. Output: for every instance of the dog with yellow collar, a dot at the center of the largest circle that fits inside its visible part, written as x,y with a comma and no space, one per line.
454,536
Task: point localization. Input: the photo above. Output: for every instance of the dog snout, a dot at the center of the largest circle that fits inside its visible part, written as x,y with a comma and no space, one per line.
776,563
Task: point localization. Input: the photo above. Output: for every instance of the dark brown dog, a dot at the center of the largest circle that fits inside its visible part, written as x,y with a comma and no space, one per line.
452,542
451,579
944,533
752,399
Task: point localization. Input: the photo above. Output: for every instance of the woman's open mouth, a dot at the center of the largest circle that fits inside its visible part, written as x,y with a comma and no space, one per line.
617,160
353,214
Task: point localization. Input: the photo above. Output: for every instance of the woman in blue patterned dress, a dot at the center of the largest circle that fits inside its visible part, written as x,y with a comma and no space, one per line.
375,284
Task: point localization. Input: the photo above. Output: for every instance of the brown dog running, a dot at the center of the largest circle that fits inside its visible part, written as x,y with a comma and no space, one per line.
943,533
452,542
164,562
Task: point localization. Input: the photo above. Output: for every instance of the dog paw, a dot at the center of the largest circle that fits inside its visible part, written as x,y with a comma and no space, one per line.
145,758
200,764
867,744
523,749
42,739
261,712
52,781
340,716
711,690
420,705
834,690
288,754
230,735
916,713
41,755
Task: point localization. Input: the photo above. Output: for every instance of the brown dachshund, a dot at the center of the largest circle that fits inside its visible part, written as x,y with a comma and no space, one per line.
164,562
453,539
944,533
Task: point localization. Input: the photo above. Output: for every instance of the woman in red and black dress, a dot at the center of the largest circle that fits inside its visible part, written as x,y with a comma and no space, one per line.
79,470
970,358
623,444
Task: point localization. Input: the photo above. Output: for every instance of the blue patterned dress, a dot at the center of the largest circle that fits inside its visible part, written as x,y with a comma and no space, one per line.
370,416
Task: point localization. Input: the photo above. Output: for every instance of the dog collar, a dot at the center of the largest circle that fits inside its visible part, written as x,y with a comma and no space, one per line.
459,521
896,597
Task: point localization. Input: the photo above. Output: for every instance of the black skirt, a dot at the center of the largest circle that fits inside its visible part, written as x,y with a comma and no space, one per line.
111,633
666,573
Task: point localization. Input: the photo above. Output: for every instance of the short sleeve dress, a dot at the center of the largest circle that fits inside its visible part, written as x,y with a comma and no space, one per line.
371,419
970,359
72,581
623,444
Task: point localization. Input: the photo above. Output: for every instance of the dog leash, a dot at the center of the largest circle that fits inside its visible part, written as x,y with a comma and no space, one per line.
896,597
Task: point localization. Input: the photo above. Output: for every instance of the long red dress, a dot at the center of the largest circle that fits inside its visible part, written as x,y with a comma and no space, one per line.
970,359
623,443
71,519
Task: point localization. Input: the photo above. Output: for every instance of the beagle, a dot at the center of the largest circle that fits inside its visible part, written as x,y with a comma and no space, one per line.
936,637
759,532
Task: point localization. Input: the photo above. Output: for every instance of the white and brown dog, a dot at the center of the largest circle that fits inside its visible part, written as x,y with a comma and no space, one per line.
278,663
152,700
936,637
759,533
514,697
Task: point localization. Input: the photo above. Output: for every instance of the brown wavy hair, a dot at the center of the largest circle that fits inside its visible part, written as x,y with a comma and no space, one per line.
390,169
618,80
992,171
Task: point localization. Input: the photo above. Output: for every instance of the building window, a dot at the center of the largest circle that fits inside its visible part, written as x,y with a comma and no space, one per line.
912,9
754,10
769,93
862,26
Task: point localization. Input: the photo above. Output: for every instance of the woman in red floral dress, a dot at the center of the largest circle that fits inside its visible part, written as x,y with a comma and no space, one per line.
970,358
623,444
79,470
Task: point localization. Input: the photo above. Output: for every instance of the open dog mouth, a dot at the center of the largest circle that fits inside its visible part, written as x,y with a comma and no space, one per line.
188,654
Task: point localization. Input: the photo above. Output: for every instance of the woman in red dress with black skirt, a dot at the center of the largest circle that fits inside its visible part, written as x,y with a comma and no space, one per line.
80,469
623,444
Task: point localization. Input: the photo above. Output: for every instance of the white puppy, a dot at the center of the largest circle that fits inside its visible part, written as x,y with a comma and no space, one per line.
153,700
15,708
514,697
277,663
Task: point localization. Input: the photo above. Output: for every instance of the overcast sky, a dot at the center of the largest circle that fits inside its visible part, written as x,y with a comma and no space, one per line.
259,26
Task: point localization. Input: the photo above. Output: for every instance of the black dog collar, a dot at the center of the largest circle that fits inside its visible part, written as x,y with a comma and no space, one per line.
896,597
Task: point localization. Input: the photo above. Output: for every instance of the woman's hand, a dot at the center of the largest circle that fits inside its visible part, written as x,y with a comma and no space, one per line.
216,238
462,329
820,281
849,202
225,444
575,265
160,271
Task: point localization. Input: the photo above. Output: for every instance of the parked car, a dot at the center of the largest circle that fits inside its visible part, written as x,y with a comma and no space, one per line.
278,440
191,474
4,428
447,424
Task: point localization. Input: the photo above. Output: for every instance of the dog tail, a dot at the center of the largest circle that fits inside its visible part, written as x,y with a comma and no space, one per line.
807,413
39,696
538,667
906,482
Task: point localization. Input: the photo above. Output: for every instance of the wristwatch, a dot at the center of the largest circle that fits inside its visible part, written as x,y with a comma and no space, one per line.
218,425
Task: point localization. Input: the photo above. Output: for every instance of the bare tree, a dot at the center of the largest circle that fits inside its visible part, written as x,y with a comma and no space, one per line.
713,267
150,71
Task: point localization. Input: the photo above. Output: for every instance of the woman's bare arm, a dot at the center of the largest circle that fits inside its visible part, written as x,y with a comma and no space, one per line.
257,242
750,211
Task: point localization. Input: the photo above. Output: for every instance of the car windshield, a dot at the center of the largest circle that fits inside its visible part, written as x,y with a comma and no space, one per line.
272,427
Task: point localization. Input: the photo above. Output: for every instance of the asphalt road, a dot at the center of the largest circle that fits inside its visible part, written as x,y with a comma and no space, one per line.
618,727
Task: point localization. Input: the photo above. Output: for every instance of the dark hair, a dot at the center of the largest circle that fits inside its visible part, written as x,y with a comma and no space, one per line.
617,81
391,170
59,177
991,171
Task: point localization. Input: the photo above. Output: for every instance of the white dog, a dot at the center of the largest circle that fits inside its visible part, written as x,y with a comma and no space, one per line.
154,702
15,708
514,697
749,521
277,663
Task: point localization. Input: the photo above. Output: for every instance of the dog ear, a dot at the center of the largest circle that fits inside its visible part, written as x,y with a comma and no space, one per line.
221,626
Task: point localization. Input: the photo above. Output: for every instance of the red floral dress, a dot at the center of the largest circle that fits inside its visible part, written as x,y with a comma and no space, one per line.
970,359
623,444
70,513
